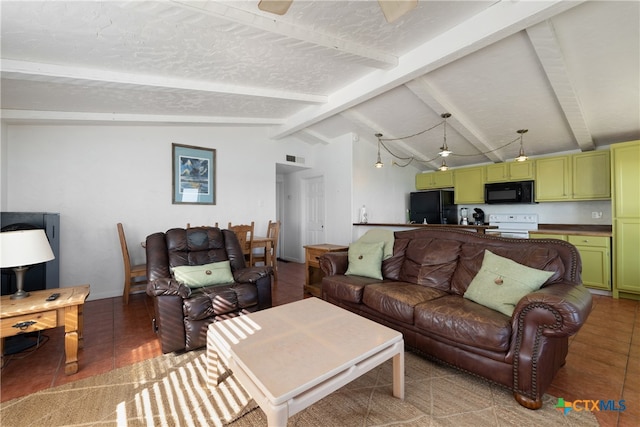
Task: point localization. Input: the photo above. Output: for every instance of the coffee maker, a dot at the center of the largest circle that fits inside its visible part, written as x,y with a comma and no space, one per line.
478,216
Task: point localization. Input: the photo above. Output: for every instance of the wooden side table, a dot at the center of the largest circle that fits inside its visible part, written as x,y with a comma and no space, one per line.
313,274
35,313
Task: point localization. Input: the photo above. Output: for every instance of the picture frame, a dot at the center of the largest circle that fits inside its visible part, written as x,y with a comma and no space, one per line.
193,175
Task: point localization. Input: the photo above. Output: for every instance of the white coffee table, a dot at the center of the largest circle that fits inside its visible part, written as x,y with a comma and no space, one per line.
289,357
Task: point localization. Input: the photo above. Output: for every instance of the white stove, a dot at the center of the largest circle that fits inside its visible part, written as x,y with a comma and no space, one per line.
513,225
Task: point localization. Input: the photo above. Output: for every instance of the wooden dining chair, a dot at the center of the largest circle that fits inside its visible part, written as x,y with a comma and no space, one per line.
135,276
273,233
244,232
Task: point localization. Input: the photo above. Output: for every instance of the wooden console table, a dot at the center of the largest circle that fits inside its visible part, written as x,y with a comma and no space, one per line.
35,313
313,274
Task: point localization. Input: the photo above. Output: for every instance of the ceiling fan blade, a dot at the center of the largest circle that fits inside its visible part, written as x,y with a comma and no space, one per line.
279,7
394,9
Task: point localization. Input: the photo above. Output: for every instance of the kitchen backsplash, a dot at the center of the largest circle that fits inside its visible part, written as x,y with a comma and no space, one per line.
554,212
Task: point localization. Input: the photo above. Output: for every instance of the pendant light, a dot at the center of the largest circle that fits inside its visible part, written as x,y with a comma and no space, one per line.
521,157
444,166
379,163
444,150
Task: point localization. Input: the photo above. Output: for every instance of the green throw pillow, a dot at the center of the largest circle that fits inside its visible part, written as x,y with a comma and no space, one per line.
502,282
197,276
380,235
365,259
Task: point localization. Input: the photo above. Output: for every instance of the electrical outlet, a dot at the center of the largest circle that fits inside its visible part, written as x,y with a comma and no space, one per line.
596,215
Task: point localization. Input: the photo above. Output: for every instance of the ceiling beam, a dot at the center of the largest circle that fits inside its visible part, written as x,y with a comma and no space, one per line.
501,20
54,116
544,41
365,55
438,102
23,70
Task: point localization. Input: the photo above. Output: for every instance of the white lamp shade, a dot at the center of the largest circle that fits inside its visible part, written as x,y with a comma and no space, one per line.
23,248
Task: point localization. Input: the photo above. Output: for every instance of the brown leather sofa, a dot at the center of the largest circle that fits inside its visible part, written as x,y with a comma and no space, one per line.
182,314
421,295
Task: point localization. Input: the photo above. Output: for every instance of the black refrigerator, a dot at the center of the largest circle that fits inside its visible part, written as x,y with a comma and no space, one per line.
432,207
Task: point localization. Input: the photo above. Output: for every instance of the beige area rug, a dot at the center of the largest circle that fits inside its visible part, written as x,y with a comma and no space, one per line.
171,390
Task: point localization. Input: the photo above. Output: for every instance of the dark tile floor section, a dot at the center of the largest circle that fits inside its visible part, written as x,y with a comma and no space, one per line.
603,361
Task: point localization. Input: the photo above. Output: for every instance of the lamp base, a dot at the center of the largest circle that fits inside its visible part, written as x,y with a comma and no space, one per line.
20,294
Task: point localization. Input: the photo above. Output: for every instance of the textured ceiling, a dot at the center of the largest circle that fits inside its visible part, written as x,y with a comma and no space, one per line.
569,72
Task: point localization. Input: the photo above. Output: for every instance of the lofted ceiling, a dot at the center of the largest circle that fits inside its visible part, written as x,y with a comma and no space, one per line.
569,72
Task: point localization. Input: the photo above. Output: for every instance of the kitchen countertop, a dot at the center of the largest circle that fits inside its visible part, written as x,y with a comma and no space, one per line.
574,229
477,228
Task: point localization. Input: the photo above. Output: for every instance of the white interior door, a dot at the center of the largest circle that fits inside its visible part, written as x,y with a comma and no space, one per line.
314,211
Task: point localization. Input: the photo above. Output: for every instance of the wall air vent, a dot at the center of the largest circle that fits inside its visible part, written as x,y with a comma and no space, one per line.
295,159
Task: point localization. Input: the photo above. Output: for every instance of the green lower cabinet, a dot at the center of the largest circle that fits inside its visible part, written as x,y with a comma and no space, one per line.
595,253
627,237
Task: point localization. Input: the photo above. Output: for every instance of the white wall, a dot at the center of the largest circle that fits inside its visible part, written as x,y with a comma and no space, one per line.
384,191
3,165
96,176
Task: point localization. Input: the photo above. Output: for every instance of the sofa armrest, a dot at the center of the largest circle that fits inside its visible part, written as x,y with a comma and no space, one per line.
261,278
559,310
332,263
251,274
167,286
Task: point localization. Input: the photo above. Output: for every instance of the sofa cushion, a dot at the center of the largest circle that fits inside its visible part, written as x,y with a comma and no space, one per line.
538,257
502,282
466,322
219,301
196,276
346,288
397,299
210,301
430,262
365,259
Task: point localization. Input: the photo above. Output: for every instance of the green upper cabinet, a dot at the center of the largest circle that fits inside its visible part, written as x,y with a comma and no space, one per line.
591,176
511,171
583,176
553,179
437,179
626,176
469,186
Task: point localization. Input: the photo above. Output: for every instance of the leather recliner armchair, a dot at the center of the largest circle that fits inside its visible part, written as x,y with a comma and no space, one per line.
182,314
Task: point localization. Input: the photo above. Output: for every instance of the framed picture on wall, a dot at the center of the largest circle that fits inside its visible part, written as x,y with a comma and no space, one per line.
194,175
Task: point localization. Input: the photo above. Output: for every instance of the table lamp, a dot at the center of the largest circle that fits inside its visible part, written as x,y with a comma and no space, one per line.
20,250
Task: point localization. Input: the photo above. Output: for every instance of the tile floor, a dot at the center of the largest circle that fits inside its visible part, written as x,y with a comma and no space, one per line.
603,360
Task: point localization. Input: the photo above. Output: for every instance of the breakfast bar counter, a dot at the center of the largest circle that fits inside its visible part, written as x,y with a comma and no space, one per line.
477,228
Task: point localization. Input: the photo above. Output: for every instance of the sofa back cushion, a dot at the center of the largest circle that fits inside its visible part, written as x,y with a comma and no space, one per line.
538,257
429,262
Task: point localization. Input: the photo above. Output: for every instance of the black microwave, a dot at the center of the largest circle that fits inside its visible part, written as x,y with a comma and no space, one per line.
509,192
